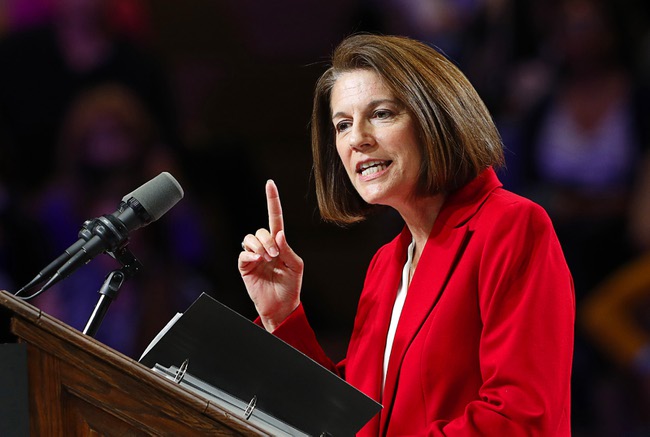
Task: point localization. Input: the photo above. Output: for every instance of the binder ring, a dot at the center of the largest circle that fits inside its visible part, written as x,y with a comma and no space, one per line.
250,408
180,374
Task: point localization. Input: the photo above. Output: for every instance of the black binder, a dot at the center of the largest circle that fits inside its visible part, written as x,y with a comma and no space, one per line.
219,353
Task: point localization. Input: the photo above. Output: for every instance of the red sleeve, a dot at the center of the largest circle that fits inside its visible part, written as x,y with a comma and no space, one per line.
296,331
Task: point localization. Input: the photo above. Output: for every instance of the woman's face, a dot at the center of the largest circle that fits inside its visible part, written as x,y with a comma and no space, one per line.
375,138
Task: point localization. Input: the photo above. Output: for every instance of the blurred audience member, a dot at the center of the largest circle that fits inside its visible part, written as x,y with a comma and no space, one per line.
582,146
45,67
616,317
109,146
441,23
584,142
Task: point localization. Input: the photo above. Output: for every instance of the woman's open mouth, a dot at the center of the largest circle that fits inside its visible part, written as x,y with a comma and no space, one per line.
371,167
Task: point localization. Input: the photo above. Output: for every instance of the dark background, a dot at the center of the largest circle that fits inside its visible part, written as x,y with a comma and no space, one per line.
227,86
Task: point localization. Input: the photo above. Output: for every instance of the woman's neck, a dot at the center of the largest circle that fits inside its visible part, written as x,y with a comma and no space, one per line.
419,217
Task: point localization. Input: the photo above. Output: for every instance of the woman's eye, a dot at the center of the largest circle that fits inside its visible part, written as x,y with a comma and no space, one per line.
382,114
341,126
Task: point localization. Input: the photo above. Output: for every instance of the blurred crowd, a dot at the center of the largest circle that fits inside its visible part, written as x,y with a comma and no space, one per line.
90,109
86,117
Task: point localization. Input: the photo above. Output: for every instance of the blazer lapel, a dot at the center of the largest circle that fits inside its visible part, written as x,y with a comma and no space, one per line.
444,247
365,359
436,264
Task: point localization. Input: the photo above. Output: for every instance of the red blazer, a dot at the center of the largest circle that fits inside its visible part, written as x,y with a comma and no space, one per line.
484,344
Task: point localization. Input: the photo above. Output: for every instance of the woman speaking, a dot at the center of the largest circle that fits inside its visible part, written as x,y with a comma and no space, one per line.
465,323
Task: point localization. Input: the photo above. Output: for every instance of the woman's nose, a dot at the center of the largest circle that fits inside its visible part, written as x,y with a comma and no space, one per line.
361,136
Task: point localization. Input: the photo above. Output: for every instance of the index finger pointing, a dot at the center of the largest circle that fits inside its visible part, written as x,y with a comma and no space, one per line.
276,222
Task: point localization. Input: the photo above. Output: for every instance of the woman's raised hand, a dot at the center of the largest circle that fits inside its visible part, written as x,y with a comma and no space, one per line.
271,270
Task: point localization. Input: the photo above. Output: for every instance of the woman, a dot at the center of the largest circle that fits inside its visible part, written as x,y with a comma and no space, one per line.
465,322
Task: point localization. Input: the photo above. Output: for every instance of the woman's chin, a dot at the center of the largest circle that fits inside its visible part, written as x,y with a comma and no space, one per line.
374,198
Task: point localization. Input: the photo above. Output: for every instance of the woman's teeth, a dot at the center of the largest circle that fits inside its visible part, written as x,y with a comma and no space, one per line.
372,167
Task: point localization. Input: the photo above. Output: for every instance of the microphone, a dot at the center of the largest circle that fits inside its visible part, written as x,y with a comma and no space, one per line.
110,232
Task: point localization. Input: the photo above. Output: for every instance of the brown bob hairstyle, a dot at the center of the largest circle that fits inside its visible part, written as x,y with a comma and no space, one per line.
458,138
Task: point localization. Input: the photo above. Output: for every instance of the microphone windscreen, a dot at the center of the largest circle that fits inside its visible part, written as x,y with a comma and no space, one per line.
158,195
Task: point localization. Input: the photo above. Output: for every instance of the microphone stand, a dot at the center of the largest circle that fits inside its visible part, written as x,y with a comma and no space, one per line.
111,287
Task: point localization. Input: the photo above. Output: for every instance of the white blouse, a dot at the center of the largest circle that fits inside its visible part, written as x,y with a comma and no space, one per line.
397,308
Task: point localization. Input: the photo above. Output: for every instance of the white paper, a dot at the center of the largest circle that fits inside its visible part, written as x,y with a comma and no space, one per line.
161,334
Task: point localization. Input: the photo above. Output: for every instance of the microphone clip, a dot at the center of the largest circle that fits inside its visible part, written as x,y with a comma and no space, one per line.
111,287
130,264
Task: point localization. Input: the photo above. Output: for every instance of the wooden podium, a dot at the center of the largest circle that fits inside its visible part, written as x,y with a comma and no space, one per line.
79,386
